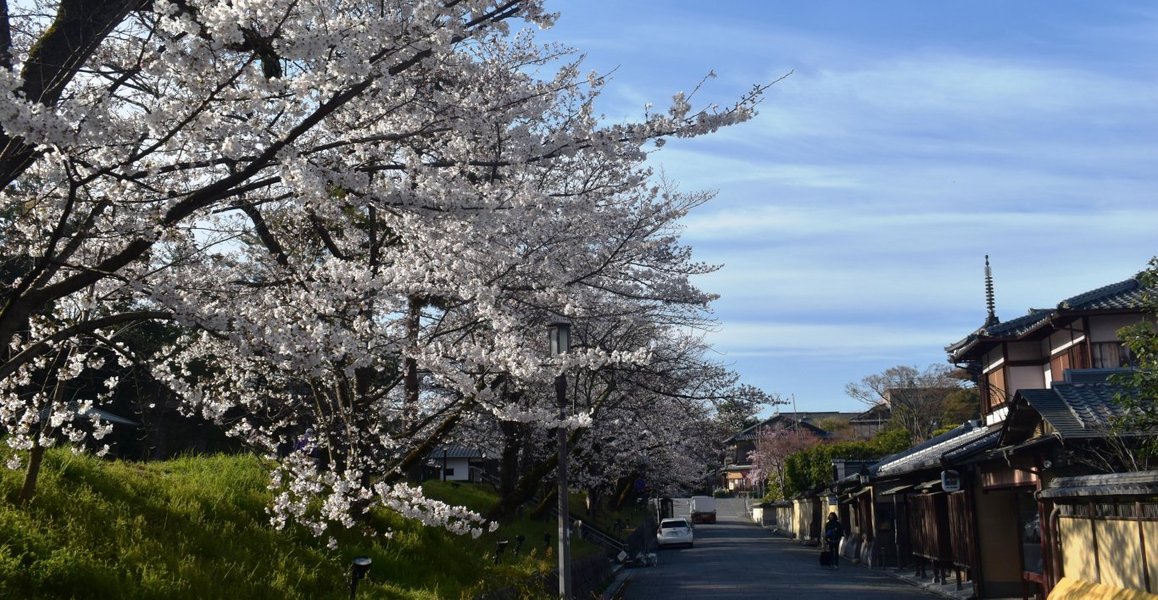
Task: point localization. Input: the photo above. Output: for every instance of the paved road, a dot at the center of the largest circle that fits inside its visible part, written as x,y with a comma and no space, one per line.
734,559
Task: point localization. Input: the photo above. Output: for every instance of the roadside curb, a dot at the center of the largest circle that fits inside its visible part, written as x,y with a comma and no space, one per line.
613,589
947,590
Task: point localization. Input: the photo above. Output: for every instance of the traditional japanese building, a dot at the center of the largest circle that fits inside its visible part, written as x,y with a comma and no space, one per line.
1043,387
969,501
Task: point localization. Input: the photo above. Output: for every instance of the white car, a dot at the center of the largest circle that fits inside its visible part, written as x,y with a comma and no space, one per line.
673,532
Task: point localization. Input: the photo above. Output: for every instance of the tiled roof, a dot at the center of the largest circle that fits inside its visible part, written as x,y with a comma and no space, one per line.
1006,329
454,452
979,444
749,433
1143,483
1018,326
1076,410
876,414
1123,295
956,443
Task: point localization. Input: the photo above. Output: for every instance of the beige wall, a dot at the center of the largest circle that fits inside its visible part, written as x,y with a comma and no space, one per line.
1120,554
1119,551
1065,338
784,518
802,515
1076,536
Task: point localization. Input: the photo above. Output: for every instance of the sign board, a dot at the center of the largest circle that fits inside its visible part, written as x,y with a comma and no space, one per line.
950,480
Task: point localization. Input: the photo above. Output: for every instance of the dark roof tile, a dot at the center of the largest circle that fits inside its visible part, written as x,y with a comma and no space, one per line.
454,451
1143,483
1076,410
957,442
1123,295
782,421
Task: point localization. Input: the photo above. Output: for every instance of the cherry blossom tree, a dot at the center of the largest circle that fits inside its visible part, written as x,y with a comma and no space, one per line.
773,447
655,419
640,412
362,213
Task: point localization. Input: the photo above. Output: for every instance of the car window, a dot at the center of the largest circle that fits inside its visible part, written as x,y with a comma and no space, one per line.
673,523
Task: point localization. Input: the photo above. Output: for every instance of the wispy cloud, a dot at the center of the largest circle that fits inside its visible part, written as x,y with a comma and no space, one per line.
853,213
769,223
798,339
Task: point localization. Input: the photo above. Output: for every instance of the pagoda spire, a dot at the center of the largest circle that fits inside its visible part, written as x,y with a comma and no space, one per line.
991,318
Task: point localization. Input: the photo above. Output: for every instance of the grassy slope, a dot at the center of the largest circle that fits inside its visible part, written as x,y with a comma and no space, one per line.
197,528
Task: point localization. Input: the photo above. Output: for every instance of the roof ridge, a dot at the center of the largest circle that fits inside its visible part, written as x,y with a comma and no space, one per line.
1098,293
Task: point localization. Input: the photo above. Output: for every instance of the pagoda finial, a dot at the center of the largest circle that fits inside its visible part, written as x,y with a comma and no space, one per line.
991,318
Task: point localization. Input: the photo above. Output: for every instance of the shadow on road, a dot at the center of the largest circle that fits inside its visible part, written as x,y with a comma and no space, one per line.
736,559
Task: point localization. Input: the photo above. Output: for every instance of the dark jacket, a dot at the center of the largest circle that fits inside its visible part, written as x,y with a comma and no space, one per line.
833,531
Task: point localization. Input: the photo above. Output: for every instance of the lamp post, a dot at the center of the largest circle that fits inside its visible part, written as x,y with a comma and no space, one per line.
359,567
560,337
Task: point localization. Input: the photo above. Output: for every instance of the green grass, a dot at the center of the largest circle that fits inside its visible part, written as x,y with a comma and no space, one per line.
198,528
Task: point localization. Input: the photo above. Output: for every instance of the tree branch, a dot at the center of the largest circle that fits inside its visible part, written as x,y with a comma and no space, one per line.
47,344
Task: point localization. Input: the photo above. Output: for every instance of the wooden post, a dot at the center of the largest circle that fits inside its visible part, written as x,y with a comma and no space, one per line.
1094,538
1142,544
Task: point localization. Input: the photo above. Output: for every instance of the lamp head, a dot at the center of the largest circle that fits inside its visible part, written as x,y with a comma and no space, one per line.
360,566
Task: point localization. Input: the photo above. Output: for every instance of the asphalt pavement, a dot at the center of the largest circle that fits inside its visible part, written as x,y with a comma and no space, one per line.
736,559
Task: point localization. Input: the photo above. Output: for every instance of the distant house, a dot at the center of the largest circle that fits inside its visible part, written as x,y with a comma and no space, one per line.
735,474
870,422
454,463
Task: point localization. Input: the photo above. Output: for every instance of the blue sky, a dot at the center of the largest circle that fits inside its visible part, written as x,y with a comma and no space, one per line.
912,138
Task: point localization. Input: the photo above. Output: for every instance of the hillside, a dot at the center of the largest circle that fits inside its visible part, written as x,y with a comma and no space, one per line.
197,528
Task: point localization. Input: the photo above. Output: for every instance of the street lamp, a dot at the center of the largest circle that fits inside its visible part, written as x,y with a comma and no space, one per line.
560,337
359,567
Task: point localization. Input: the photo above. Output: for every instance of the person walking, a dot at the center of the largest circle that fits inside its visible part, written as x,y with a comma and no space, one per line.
832,534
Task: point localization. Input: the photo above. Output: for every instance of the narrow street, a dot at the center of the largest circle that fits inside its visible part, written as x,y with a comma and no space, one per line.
735,559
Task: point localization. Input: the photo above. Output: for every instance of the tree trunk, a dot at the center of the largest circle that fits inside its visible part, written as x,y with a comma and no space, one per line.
531,479
524,490
32,473
509,462
527,450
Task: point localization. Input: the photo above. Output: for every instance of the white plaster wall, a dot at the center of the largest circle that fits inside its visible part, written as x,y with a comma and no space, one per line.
461,467
1025,378
1024,351
993,359
1105,328
1064,339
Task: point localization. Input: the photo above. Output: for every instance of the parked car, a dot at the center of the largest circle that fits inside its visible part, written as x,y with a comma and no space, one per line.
673,532
703,509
